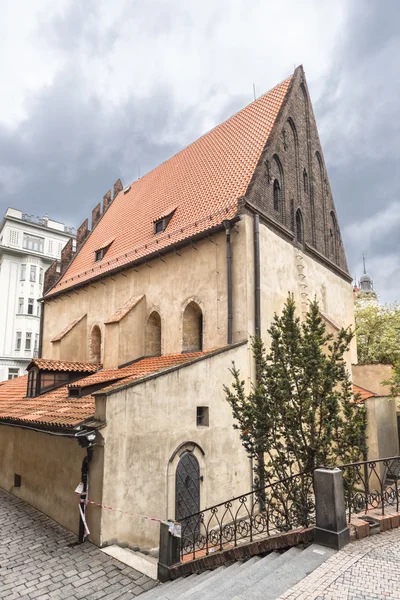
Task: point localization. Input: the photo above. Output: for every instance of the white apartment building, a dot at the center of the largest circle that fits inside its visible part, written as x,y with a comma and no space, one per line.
28,246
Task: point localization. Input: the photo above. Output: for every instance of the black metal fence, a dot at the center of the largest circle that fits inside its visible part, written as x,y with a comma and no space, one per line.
284,505
371,485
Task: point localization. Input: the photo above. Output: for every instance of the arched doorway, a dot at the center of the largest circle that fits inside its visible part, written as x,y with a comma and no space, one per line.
187,486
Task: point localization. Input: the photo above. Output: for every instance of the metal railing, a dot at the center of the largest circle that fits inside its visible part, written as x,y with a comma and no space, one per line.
372,484
279,507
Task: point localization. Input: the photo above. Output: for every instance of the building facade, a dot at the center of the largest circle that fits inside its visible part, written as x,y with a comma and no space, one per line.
180,269
28,245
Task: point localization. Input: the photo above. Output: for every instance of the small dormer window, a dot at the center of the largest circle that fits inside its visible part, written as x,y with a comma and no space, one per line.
163,220
100,253
32,383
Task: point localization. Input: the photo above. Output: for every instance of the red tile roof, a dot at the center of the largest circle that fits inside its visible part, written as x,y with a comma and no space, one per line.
362,392
68,328
57,409
53,409
138,369
204,181
64,365
124,309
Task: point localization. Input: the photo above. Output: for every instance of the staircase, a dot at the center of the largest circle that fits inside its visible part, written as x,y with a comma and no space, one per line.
258,578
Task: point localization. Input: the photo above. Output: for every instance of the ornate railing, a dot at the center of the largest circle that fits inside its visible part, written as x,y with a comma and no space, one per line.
281,506
372,484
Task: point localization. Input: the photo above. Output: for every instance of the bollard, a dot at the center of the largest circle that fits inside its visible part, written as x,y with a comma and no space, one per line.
331,524
170,548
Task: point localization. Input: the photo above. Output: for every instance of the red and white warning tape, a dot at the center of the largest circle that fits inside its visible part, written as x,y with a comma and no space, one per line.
174,528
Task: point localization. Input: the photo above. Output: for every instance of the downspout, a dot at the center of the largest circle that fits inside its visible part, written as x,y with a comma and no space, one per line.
227,225
41,326
84,480
257,276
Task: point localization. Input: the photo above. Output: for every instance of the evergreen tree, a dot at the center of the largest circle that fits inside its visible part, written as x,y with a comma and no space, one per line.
300,413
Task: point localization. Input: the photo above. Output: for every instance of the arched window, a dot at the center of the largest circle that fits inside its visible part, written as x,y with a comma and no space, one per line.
299,227
277,196
333,238
292,215
305,182
95,344
192,328
152,340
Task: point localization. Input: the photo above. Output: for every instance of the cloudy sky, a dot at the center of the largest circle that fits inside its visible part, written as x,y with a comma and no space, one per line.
96,90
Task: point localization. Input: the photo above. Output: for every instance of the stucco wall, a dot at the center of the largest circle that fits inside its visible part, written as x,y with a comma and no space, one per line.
195,274
50,468
370,377
286,268
146,423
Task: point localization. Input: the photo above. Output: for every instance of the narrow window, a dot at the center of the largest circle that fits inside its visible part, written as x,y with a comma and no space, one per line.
17,480
277,196
153,335
299,227
202,416
292,215
333,238
20,306
36,347
95,344
30,306
23,273
41,276
13,373
32,383
50,247
33,274
305,181
28,341
18,340
192,328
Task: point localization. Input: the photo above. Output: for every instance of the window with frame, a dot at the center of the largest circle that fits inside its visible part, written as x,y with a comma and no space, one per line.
33,242
50,246
36,347
13,237
28,341
23,273
40,275
305,182
20,306
13,372
161,224
18,340
202,416
277,196
32,383
30,306
32,276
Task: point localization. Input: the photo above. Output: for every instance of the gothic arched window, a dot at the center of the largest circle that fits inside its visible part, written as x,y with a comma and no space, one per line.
305,182
192,328
299,227
277,196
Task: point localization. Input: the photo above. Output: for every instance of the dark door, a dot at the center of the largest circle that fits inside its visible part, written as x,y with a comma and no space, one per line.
187,487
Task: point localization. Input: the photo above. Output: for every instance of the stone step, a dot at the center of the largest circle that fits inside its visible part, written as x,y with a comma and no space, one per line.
212,583
227,582
253,574
285,574
201,579
161,590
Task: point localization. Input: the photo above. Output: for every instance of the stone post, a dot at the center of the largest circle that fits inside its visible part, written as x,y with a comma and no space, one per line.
170,547
331,524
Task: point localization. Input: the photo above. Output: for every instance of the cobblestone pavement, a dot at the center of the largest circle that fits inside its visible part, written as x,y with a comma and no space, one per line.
368,569
38,559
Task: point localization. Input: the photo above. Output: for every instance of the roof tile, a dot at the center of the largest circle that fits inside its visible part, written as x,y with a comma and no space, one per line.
205,180
64,365
124,309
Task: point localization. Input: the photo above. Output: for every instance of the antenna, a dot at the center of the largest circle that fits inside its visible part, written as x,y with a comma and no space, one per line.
254,90
364,264
138,170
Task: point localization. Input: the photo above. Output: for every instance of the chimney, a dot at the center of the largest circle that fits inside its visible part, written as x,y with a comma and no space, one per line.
51,276
118,187
82,233
96,214
67,254
106,201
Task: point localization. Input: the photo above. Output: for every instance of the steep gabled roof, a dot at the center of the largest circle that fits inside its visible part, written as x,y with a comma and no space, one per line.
204,181
362,393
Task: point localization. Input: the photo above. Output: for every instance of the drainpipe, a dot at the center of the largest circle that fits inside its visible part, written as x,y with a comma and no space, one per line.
257,285
227,225
84,479
41,330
